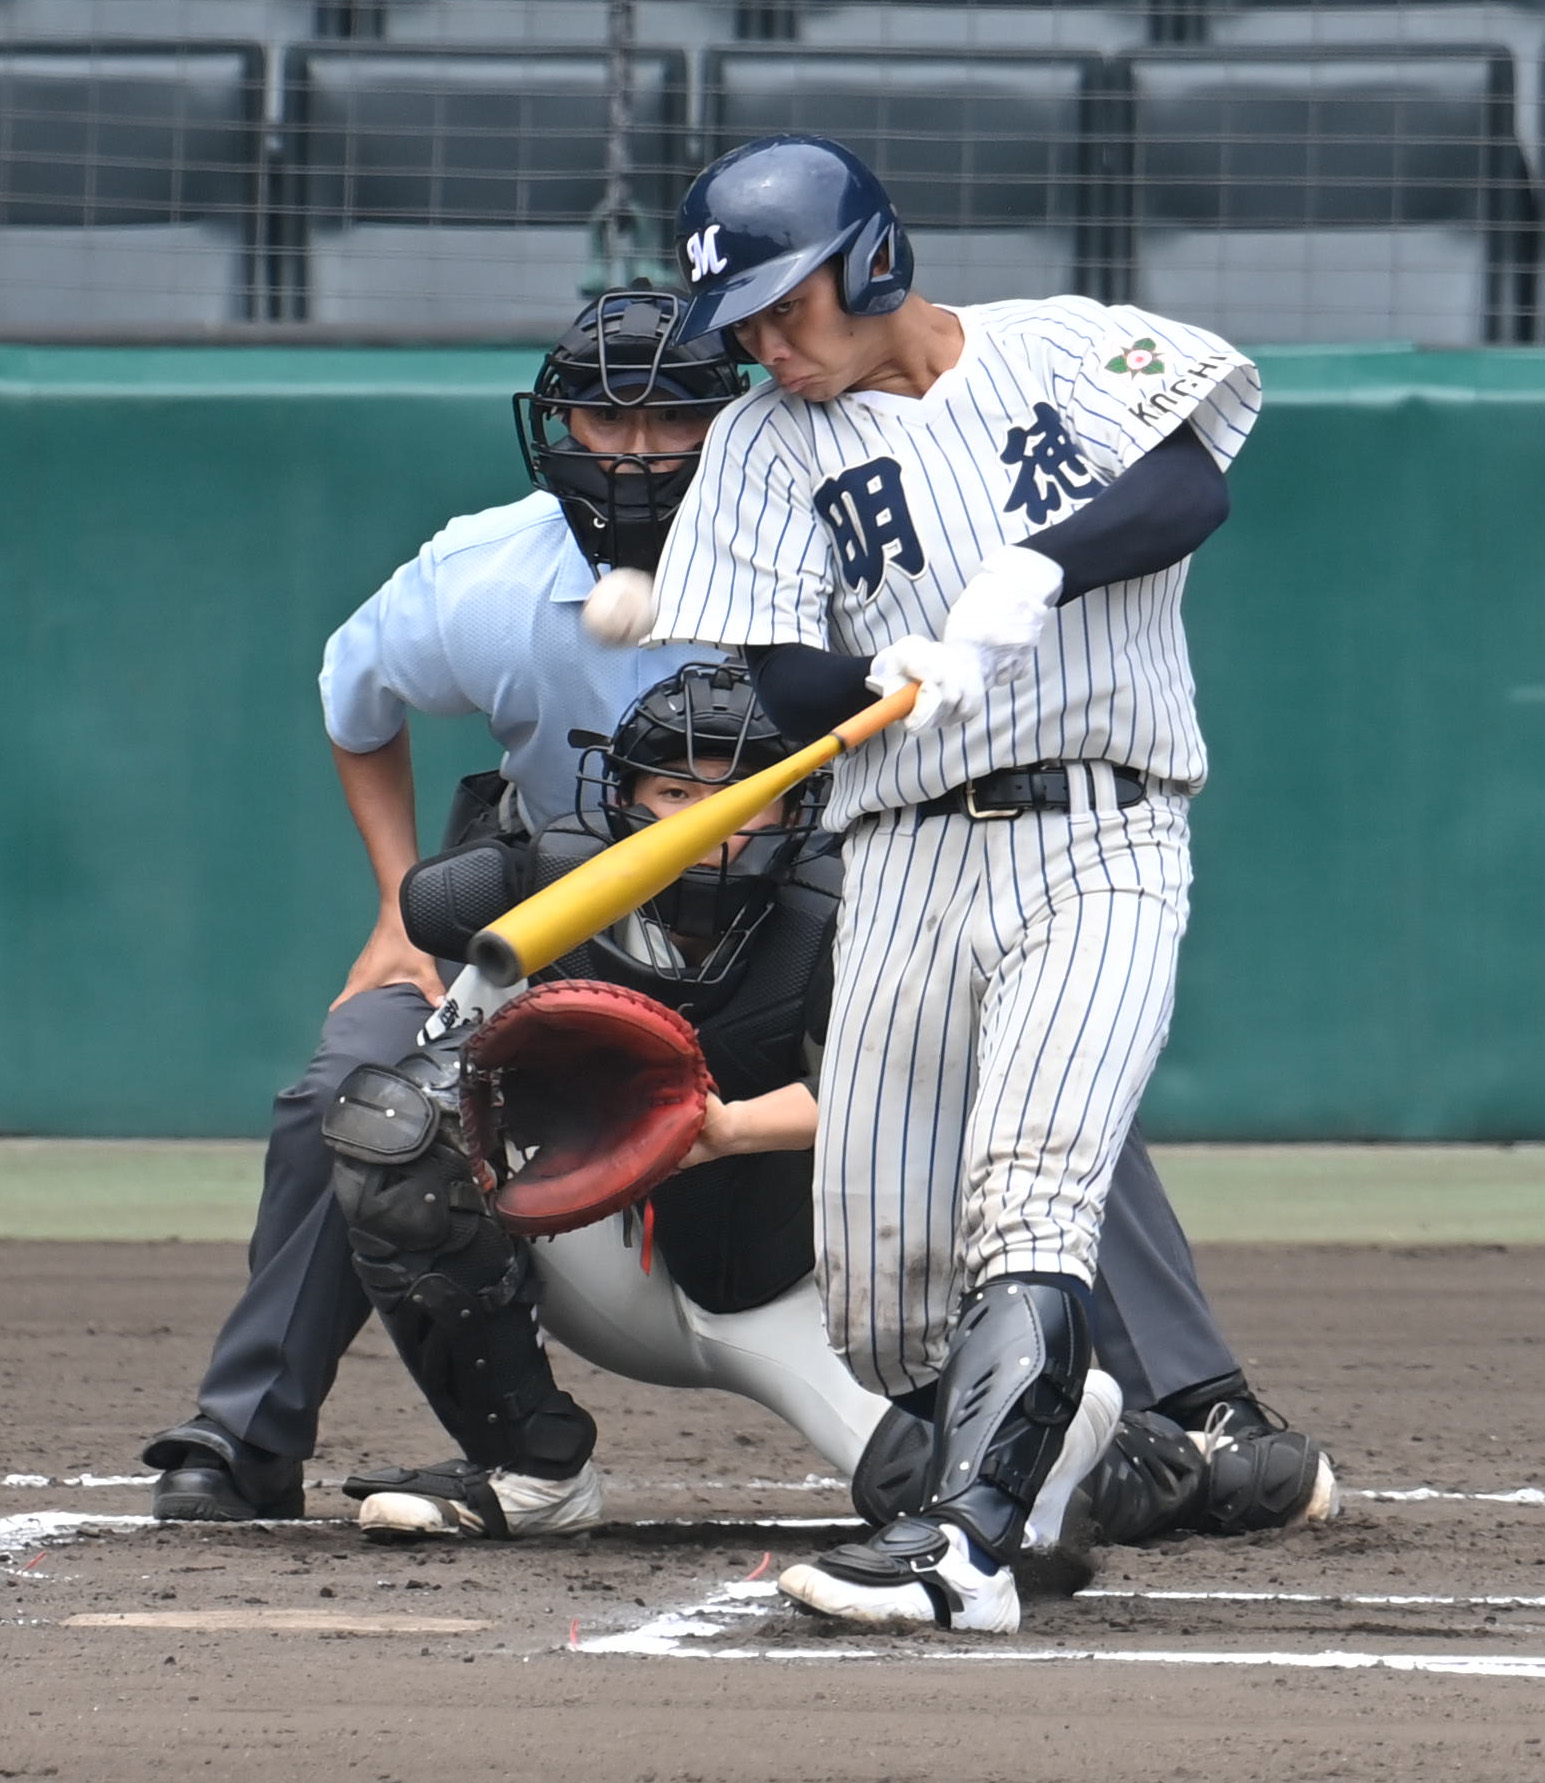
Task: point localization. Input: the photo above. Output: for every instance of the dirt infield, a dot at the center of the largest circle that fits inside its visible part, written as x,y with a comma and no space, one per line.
1405,1641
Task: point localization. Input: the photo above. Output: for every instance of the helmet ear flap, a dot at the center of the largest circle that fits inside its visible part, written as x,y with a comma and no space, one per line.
866,291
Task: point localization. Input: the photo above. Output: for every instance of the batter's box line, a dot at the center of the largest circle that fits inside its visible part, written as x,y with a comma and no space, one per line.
680,1634
27,1530
812,1482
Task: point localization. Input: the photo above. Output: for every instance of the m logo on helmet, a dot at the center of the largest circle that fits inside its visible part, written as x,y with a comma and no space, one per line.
703,253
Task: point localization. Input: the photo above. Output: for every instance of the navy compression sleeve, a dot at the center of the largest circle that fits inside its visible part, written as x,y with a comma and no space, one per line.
1155,513
805,691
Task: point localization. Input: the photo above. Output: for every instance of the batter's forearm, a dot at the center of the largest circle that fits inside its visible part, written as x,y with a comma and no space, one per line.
805,691
378,786
1153,515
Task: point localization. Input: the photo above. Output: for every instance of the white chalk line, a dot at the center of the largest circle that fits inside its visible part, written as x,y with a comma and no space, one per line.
52,1528
812,1482
1378,1599
671,1636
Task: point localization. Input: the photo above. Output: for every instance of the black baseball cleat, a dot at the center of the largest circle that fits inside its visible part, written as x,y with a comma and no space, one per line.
211,1476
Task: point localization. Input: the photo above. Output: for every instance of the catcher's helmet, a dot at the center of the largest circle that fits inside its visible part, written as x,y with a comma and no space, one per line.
704,710
620,354
768,214
701,724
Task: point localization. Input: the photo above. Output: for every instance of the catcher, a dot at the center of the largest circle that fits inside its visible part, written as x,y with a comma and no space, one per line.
596,1078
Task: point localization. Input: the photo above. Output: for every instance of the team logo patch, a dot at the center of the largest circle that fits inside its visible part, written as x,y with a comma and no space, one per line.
865,511
1141,360
703,256
1052,474
1181,394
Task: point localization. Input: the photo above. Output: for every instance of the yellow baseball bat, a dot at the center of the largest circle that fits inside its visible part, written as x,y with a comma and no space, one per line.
603,890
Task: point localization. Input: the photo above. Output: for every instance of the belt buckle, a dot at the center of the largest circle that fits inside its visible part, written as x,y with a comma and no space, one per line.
980,814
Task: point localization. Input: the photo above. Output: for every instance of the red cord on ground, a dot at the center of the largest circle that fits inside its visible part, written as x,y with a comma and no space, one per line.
34,1560
574,1635
762,1566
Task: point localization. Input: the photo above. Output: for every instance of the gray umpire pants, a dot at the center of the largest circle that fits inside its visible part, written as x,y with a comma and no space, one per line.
278,1352
1151,1324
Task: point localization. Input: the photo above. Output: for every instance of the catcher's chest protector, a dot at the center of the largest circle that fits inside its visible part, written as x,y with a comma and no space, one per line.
736,1233
752,1032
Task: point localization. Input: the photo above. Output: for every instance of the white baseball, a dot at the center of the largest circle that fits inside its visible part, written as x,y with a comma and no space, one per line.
620,608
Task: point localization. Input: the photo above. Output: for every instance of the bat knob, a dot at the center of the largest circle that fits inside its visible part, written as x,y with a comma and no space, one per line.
495,958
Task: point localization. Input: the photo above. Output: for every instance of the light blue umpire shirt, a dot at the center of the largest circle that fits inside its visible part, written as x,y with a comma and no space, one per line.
487,619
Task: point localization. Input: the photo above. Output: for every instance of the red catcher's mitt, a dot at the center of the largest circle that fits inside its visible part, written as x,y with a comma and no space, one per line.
602,1087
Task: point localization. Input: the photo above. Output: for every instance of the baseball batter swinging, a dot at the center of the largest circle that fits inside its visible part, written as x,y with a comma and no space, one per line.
998,502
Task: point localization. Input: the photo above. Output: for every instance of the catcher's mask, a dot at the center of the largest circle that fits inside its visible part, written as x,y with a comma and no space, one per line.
701,725
620,354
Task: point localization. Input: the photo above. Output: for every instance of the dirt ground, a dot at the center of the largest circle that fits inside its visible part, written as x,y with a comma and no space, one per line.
1404,1641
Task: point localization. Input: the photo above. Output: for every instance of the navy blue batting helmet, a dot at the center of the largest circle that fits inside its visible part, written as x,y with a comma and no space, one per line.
768,214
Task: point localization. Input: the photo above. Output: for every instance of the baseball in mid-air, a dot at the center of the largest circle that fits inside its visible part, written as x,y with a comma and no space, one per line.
620,608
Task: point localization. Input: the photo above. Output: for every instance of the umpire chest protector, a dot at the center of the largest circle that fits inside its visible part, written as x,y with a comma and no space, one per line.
737,1232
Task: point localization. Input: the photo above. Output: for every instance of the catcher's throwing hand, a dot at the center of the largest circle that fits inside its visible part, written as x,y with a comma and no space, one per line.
716,1139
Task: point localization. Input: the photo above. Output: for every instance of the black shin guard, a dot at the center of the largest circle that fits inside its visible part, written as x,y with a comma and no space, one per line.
1151,1481
451,1286
464,1323
889,1478
1009,1390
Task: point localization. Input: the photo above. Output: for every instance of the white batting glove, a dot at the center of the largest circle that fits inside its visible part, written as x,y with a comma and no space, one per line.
951,674
1001,611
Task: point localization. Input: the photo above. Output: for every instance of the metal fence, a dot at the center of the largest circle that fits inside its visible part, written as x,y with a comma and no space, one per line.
468,168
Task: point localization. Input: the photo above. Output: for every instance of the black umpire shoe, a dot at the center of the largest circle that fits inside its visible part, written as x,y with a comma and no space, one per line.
213,1477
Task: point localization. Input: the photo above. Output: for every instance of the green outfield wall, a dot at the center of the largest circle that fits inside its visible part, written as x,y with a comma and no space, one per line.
181,891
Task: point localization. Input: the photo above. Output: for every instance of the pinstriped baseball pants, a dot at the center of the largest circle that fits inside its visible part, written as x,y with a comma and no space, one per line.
1003,989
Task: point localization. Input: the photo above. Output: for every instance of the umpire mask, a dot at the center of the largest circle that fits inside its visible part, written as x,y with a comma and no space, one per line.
617,359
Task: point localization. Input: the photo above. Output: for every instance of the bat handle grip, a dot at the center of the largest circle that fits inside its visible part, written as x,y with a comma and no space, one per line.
873,719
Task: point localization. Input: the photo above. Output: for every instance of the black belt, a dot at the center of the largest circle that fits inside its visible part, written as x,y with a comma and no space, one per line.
1043,786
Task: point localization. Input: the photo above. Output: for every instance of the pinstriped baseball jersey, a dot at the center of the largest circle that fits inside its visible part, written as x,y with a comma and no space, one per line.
852,523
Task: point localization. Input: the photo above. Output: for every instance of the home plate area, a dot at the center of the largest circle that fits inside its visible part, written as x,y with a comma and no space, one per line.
1405,1640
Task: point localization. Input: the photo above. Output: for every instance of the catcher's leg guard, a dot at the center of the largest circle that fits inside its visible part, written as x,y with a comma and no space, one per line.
1260,1473
452,1288
1152,1480
1260,1476
464,1322
457,1498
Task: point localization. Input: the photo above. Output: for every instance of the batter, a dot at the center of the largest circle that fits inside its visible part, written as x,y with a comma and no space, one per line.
998,503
